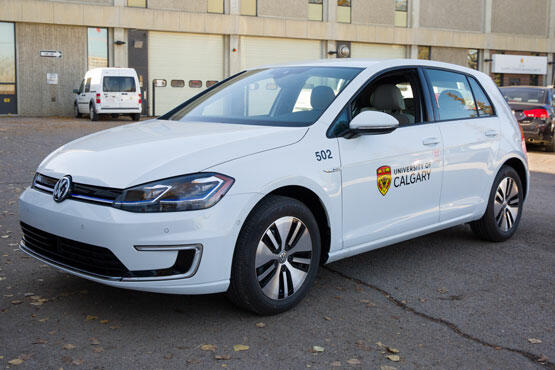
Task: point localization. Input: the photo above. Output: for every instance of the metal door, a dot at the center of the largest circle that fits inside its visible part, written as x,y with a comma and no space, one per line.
138,59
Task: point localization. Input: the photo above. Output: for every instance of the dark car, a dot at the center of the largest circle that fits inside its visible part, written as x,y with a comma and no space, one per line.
533,108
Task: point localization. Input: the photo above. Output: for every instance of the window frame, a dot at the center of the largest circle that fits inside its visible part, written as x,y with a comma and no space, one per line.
107,46
433,101
426,112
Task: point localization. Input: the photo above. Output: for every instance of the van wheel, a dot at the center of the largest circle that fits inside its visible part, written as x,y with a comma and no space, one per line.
505,203
115,115
76,113
92,113
136,116
276,257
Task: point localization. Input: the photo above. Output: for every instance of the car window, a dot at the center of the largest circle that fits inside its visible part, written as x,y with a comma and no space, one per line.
524,95
452,93
395,93
485,108
88,85
118,84
283,96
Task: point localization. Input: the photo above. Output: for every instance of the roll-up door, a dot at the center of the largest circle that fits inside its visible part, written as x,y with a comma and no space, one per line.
377,51
257,51
188,62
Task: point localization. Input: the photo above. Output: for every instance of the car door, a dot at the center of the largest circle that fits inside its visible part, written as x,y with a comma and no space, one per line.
470,132
84,97
391,182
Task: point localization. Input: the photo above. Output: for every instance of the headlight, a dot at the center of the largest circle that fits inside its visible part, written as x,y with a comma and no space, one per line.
182,193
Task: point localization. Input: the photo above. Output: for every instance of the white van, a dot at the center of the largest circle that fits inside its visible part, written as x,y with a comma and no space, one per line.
112,91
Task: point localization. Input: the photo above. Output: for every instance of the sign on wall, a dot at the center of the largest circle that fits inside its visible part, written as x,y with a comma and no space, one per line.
52,78
51,53
519,64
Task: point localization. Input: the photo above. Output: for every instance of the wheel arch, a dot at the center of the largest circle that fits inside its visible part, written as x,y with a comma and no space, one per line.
310,199
521,170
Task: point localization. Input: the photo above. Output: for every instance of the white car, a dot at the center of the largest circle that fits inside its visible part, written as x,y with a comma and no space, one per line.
246,189
113,91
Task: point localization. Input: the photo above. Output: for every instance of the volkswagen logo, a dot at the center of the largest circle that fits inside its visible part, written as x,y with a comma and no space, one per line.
62,188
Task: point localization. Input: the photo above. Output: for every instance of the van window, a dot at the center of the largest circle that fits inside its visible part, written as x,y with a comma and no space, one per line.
88,85
118,84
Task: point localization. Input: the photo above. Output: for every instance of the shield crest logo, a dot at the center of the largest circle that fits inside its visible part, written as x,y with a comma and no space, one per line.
384,179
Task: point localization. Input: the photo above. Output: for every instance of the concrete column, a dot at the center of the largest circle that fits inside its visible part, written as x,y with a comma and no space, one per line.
120,51
486,27
414,22
330,10
234,7
550,77
330,45
233,56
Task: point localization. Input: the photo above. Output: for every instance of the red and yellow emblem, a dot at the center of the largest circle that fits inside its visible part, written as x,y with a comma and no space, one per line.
384,179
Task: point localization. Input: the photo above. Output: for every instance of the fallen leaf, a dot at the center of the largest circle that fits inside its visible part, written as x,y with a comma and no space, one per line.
43,320
422,300
103,321
327,318
260,325
17,301
240,347
222,357
15,361
442,290
5,236
94,341
543,358
168,356
379,344
316,349
77,362
392,350
114,327
68,346
335,364
67,359
386,367
52,332
91,317
353,361
40,341
394,358
534,340
364,301
208,347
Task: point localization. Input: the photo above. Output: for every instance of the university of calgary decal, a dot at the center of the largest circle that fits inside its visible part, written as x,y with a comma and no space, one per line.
384,179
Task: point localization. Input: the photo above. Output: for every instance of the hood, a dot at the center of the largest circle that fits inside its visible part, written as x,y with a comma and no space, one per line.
152,150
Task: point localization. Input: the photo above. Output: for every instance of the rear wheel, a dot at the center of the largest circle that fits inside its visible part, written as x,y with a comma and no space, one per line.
92,113
502,215
276,257
136,116
551,147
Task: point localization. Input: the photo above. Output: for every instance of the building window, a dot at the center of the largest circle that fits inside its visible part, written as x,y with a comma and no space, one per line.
315,10
216,6
136,3
473,58
248,7
344,11
177,83
401,13
424,52
8,102
97,47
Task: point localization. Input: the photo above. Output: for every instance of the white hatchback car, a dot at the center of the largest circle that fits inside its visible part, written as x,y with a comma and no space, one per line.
252,184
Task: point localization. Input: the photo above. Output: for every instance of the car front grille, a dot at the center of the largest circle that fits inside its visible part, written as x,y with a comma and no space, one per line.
84,257
80,192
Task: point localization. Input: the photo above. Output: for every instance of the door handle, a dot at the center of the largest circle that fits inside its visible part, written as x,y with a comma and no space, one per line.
431,141
491,133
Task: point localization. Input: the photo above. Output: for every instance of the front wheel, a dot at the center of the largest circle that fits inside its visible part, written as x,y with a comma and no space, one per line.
276,257
92,113
136,116
504,209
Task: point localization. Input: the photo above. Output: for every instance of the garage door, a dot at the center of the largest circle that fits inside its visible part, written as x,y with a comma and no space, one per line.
377,51
188,62
257,51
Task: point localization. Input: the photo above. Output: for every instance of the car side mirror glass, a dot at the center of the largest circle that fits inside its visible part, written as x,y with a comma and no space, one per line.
372,123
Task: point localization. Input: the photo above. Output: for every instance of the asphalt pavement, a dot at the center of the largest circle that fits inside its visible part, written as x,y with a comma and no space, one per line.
446,300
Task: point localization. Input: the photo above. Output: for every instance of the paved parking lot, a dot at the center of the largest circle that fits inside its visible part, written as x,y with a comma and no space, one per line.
446,300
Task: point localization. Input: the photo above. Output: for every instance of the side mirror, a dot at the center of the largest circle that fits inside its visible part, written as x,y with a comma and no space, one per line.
372,123
75,91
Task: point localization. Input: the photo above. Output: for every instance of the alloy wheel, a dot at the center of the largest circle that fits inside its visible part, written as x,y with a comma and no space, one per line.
506,204
283,257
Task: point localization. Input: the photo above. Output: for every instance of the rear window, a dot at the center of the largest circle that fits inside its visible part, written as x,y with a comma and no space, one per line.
524,95
118,84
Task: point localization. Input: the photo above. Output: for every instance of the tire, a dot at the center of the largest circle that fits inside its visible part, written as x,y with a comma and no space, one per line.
115,115
551,147
504,210
267,280
92,113
136,116
76,113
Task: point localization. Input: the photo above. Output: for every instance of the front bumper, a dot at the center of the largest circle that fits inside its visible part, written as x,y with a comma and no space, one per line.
124,233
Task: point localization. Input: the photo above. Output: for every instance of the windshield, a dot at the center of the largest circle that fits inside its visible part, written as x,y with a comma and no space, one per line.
524,95
118,84
286,96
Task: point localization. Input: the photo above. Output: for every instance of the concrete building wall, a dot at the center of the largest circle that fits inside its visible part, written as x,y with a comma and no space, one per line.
192,6
372,12
283,8
530,17
450,55
464,15
35,96
91,2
